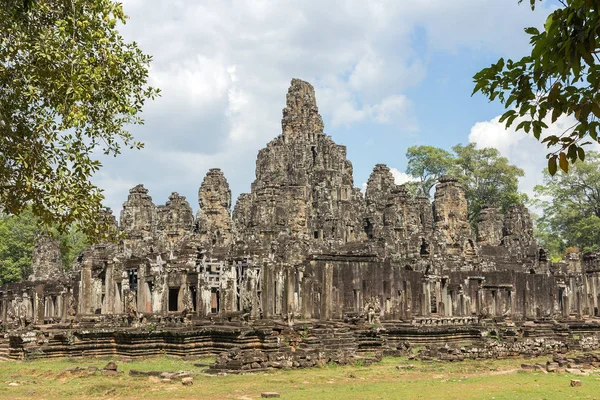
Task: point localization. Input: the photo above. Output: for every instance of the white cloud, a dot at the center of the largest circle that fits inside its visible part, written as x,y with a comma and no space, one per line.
402,177
520,148
224,68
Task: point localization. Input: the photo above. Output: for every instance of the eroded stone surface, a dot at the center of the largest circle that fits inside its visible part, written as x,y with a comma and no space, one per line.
46,259
305,243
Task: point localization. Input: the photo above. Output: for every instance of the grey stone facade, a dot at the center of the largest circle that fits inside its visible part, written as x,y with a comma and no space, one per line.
305,243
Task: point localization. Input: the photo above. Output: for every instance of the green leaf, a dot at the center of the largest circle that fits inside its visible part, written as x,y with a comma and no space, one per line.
562,161
532,31
548,23
552,165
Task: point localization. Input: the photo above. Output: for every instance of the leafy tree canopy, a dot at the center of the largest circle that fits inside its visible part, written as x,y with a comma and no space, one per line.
69,87
427,164
561,76
570,205
17,239
16,245
488,178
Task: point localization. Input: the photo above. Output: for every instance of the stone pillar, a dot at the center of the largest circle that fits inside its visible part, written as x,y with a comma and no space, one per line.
326,295
109,289
566,307
141,289
447,302
579,303
65,306
426,300
526,301
4,308
85,290
513,302
290,284
594,295
37,300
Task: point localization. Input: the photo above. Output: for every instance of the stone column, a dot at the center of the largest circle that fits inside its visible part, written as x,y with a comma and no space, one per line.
326,295
65,306
109,289
566,308
290,284
85,290
4,308
513,302
446,301
579,303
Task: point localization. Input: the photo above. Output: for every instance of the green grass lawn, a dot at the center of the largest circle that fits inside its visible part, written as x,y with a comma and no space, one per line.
499,379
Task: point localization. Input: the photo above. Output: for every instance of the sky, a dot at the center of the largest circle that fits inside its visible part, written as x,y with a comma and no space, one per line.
388,74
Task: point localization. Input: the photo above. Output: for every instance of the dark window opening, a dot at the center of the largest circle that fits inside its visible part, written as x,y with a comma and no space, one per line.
314,154
532,271
424,250
408,268
133,279
316,234
193,295
560,298
433,304
173,297
369,229
421,219
543,257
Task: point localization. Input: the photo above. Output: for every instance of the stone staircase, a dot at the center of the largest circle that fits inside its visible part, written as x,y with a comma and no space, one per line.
4,349
331,338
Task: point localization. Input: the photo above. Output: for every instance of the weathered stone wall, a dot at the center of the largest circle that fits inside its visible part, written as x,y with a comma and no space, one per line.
305,243
266,345
46,259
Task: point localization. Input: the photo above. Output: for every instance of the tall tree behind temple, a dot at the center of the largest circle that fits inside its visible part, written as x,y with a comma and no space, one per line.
427,164
17,239
16,245
488,178
570,206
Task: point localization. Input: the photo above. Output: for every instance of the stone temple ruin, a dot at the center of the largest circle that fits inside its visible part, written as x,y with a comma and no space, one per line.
307,257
